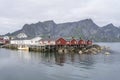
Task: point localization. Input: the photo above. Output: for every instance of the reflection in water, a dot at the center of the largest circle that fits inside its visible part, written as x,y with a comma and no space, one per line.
60,59
24,55
56,58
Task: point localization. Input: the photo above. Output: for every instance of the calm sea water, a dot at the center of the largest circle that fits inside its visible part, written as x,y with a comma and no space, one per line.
22,65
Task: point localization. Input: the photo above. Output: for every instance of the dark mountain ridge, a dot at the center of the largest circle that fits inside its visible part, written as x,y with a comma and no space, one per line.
86,29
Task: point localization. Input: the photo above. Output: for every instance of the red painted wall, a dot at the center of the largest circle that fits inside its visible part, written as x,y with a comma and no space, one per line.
74,42
81,42
89,42
61,41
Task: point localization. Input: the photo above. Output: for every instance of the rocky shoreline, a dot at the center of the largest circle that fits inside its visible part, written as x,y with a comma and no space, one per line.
83,49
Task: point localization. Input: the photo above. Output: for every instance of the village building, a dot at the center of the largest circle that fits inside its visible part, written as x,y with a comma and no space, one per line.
26,41
73,42
61,41
22,35
89,42
1,40
81,42
4,40
47,41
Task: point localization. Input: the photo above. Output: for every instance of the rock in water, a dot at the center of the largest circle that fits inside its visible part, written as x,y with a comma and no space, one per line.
107,53
80,52
60,50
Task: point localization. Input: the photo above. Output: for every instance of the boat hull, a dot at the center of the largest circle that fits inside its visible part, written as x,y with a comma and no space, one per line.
23,48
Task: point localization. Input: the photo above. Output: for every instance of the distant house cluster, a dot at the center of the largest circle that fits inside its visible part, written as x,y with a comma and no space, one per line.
50,41
62,41
26,41
23,39
4,40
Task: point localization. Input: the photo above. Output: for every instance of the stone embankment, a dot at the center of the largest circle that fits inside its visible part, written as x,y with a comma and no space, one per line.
81,49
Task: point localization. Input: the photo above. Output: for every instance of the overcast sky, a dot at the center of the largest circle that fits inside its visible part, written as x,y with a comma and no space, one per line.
15,13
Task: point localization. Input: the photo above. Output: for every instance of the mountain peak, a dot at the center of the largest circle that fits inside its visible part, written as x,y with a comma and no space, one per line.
110,24
88,20
26,25
49,21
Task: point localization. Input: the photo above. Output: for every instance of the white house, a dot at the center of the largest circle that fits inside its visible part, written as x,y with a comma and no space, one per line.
26,41
22,35
47,41
6,38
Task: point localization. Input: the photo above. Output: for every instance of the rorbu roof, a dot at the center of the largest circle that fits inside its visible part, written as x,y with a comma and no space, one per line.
68,39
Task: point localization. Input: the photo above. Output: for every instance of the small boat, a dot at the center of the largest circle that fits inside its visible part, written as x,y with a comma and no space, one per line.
23,47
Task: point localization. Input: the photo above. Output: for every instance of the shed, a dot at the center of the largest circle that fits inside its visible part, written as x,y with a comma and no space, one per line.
81,42
60,41
89,42
73,42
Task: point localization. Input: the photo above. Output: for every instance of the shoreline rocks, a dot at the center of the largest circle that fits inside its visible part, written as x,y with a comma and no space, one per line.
86,49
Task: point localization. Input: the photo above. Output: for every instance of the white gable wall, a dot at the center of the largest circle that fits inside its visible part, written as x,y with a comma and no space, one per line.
34,41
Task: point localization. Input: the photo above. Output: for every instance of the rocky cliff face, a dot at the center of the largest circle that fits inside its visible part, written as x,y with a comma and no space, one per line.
108,33
85,28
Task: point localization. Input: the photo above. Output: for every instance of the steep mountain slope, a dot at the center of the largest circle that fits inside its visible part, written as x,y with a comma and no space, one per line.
86,29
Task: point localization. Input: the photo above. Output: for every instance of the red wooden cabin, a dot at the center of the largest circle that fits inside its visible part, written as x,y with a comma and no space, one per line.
74,42
6,41
81,42
3,41
89,42
61,41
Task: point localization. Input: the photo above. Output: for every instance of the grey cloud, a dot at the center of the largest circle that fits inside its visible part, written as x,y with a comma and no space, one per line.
15,13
